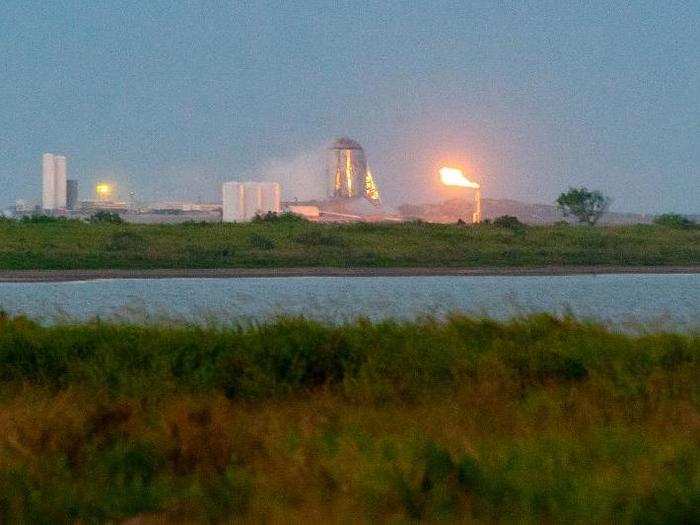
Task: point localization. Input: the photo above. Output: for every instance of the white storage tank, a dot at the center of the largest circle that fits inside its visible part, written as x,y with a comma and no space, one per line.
53,172
60,175
48,175
270,197
243,200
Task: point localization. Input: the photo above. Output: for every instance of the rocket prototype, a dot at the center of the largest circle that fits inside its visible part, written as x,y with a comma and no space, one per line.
348,174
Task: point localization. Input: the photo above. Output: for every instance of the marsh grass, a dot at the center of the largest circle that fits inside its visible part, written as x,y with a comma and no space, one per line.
63,244
535,419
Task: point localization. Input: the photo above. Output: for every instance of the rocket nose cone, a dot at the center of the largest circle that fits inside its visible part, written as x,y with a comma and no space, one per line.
345,143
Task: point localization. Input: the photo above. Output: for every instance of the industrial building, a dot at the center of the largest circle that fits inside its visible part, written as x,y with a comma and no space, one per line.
348,173
54,189
72,194
90,207
242,201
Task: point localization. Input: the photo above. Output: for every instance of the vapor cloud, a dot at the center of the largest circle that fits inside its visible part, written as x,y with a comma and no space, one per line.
302,176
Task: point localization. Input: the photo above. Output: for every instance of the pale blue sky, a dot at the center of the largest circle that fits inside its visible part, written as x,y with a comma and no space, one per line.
176,97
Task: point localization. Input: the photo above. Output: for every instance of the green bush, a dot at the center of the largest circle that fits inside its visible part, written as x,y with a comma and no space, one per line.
279,218
384,360
105,217
37,246
126,241
255,240
674,220
45,219
319,238
508,221
421,480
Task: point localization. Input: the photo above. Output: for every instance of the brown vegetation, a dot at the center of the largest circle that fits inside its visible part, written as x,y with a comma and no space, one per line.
539,419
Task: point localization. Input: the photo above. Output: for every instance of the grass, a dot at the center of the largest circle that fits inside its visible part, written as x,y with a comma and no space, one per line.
536,419
78,245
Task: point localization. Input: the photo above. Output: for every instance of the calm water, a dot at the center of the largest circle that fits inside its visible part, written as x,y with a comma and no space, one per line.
669,300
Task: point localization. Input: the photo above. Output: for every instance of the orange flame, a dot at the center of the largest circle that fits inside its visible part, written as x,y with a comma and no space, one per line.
455,177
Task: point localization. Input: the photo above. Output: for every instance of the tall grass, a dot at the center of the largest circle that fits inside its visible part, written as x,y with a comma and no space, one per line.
535,419
294,243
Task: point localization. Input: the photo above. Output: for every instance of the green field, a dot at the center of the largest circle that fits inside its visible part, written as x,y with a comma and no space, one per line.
293,243
535,420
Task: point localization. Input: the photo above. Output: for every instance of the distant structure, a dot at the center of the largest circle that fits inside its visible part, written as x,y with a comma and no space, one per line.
72,194
90,207
104,191
243,200
476,216
53,172
348,174
22,207
309,212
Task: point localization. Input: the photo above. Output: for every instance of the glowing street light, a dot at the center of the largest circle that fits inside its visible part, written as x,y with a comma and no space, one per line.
104,191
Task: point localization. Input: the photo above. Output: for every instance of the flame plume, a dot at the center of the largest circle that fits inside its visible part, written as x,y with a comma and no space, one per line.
455,177
371,191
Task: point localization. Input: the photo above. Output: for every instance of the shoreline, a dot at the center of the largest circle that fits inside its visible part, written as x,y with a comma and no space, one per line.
47,276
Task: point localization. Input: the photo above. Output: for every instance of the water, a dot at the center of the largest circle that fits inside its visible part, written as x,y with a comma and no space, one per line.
670,301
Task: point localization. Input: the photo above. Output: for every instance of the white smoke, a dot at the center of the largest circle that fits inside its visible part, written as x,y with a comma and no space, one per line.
302,176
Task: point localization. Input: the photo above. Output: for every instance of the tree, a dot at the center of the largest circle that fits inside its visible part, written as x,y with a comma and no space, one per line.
587,206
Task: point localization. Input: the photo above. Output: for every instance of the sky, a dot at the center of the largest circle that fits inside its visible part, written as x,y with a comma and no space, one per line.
169,99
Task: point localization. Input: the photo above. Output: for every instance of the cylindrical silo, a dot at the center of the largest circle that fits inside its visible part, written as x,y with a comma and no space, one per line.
252,199
233,209
60,181
242,201
48,180
270,197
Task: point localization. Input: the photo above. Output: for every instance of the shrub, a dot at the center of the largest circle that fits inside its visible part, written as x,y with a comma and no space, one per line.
81,245
373,227
319,238
285,217
44,219
508,221
674,220
255,240
105,217
421,480
126,241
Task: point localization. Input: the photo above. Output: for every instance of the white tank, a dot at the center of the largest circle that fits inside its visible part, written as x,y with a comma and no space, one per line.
243,200
233,208
48,181
252,200
270,197
60,181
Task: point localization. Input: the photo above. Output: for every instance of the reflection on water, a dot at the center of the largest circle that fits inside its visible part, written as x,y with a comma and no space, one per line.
669,300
